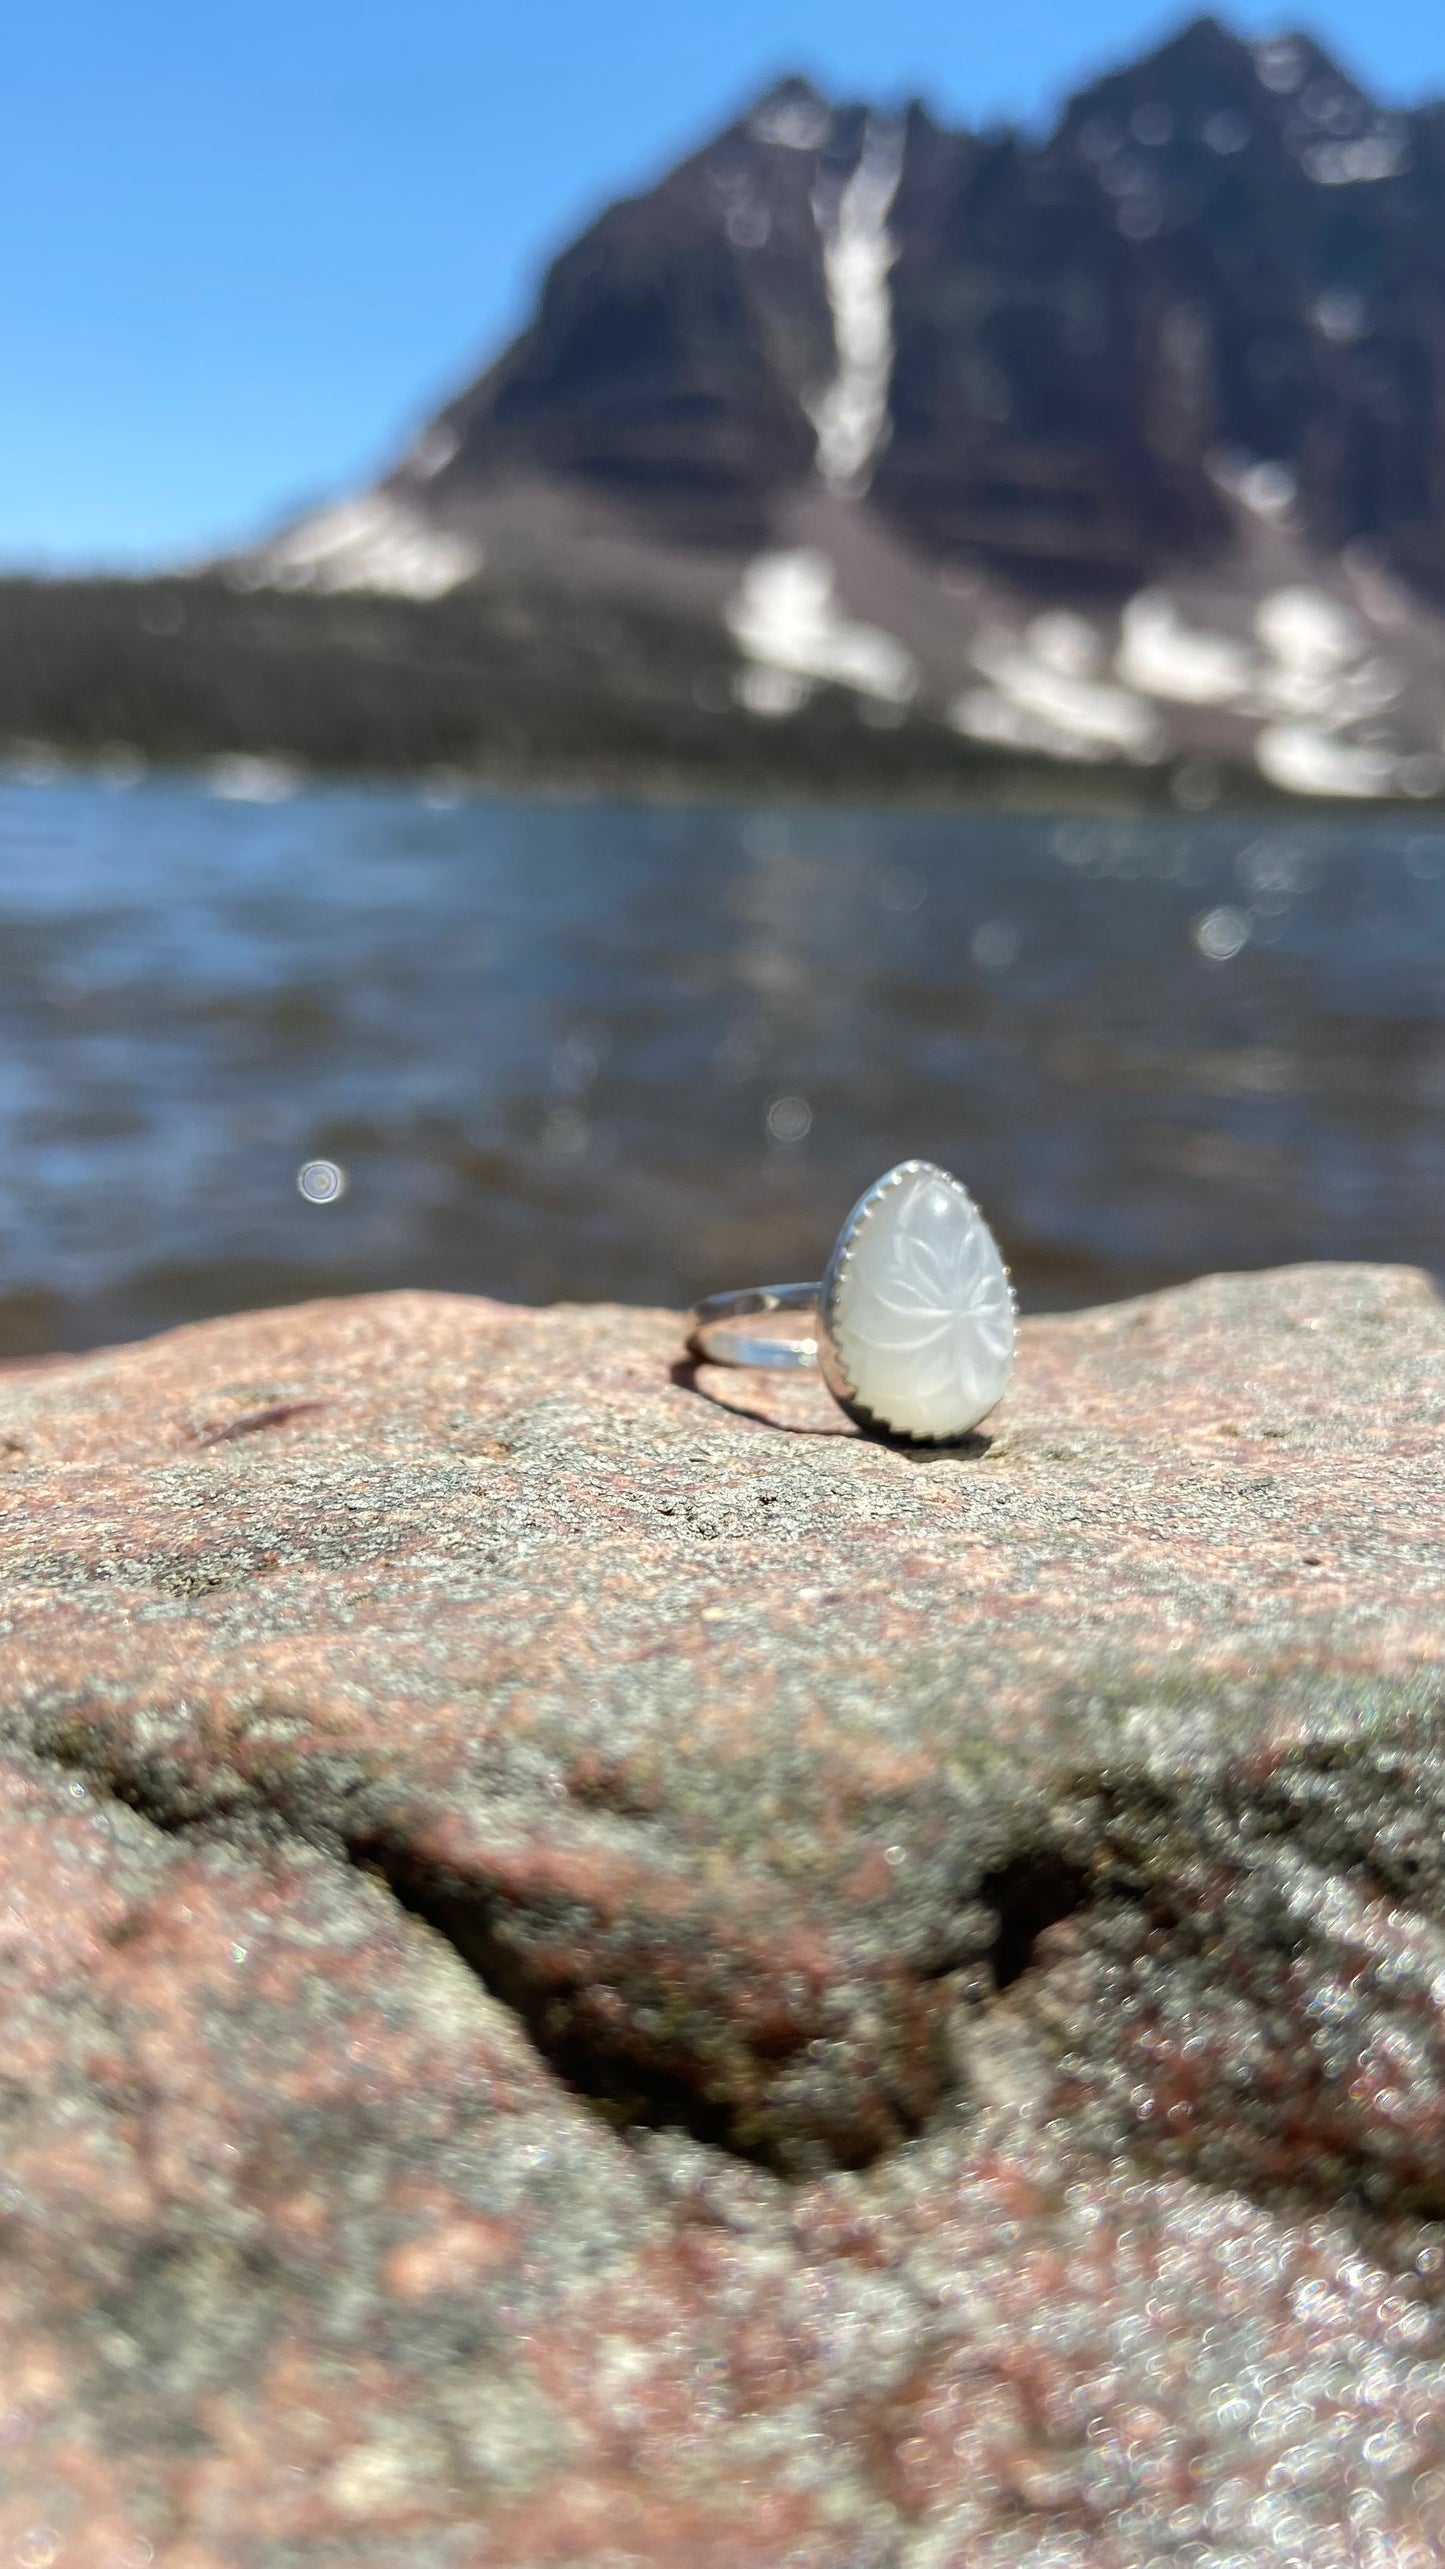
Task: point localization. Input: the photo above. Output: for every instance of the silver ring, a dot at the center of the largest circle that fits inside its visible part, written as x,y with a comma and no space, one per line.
911,1325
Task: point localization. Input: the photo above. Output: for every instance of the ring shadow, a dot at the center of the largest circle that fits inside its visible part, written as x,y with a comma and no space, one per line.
687,1372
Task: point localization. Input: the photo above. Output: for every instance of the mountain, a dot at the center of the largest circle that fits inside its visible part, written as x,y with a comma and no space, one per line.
1126,443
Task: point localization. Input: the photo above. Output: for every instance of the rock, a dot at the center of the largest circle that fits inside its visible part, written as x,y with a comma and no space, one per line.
599,1969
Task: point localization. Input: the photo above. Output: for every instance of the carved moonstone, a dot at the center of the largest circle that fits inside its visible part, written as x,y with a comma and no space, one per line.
917,1308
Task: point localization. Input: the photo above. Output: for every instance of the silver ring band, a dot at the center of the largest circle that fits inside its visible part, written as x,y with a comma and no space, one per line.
717,1331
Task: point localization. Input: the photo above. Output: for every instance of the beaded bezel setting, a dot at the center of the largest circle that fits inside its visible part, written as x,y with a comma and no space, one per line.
951,1317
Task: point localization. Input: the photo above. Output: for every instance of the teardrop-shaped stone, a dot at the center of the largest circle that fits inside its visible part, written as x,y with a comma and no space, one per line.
919,1307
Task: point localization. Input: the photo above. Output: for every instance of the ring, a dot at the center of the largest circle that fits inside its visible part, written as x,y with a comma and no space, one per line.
912,1324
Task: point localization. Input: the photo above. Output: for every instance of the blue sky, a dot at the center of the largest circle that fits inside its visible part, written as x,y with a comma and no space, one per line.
247,249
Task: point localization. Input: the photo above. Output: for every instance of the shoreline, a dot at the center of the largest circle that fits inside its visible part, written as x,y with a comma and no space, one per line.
1027,790
520,693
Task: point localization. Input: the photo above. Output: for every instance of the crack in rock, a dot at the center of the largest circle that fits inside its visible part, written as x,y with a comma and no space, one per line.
279,1413
1237,1982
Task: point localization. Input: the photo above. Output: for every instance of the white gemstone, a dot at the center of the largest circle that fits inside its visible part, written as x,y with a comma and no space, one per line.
920,1306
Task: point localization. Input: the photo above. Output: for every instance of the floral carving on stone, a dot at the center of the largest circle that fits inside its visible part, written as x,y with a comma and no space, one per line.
919,1307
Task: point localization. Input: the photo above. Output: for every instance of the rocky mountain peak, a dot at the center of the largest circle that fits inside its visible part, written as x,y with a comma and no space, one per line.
793,115
843,372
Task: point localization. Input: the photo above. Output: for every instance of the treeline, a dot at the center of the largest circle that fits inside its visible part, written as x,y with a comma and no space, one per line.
185,669
182,670
508,685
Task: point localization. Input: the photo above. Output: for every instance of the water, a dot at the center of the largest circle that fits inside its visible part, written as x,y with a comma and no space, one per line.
590,1051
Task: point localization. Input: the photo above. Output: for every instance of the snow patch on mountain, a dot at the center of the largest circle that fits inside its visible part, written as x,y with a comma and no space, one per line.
793,118
1042,699
787,621
1160,654
851,414
374,543
1317,668
1303,760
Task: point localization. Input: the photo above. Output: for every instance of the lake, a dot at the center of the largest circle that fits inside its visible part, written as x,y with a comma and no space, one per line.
572,1050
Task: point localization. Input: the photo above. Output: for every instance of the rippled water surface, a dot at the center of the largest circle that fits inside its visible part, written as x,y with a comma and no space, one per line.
593,1051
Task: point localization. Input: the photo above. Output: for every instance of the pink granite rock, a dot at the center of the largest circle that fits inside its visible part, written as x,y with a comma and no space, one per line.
599,1969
